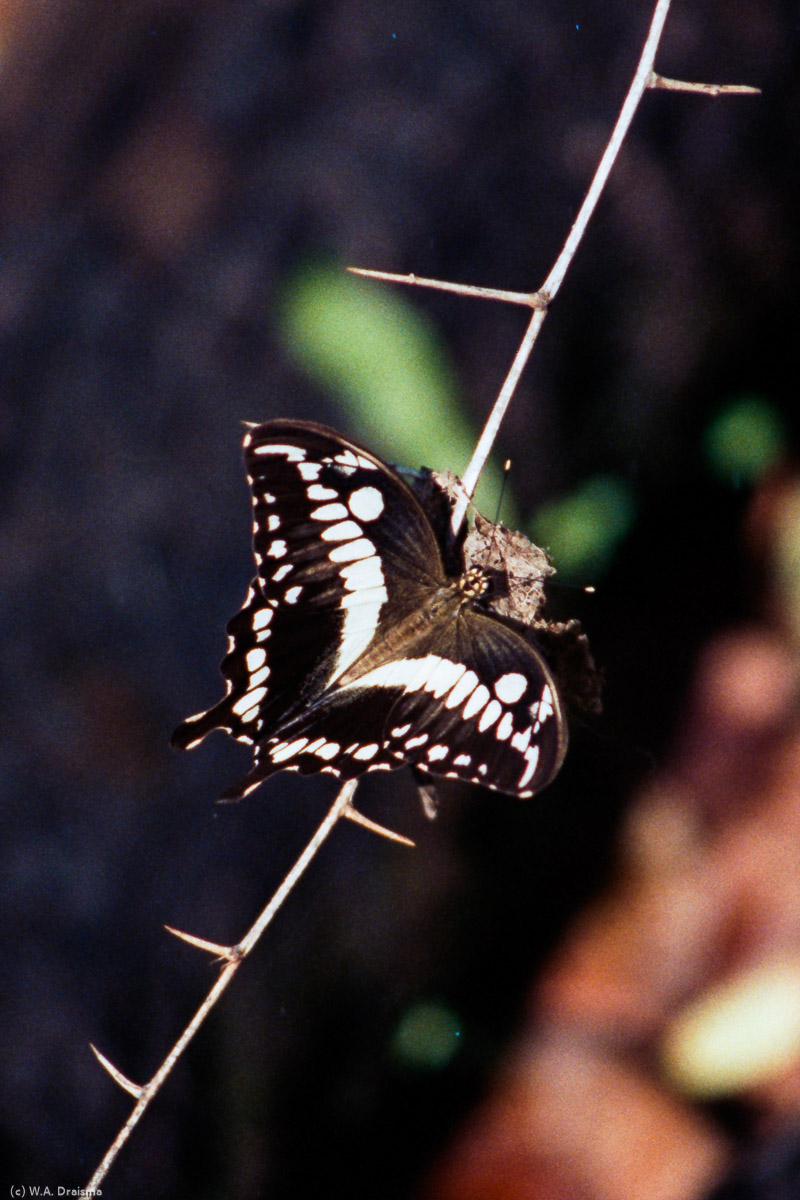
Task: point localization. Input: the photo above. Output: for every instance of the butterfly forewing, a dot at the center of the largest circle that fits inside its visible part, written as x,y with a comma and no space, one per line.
343,551
353,651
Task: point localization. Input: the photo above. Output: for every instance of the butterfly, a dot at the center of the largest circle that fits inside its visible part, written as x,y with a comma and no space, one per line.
355,650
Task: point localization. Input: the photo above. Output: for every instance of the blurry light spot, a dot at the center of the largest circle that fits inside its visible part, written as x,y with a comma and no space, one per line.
786,557
745,441
582,530
739,1034
427,1035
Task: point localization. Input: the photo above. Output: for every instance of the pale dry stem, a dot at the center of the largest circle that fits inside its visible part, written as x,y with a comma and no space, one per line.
707,89
645,77
232,957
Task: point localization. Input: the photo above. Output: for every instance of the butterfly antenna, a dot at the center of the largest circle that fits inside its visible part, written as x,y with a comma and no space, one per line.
588,589
496,522
501,497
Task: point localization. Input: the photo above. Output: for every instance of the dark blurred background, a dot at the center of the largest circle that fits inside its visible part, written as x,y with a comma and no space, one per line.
166,169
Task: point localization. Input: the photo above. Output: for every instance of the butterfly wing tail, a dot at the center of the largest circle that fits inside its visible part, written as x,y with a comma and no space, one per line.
194,729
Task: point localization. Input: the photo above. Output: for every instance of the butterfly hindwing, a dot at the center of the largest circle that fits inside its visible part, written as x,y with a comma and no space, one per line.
487,713
475,702
342,735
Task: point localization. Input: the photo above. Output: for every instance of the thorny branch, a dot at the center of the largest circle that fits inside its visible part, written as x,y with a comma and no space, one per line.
540,300
232,956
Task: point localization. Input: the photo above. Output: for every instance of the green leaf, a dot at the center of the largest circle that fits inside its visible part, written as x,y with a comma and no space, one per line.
385,364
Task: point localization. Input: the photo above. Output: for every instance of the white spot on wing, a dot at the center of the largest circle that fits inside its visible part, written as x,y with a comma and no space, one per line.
475,702
288,750
366,503
463,760
408,673
547,706
489,715
343,530
362,607
262,618
400,731
461,690
366,573
509,688
444,675
309,471
531,760
366,752
255,659
328,751
521,741
249,700
420,740
282,572
437,753
290,453
331,512
293,595
273,522
350,461
505,728
350,551
316,491
364,597
277,549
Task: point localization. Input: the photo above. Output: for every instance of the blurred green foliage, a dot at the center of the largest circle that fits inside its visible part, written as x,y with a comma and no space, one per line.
745,440
386,366
427,1035
582,530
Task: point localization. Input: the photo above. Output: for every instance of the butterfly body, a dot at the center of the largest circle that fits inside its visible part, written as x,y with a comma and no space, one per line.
355,651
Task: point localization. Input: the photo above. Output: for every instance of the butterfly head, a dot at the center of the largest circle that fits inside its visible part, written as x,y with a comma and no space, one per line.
474,583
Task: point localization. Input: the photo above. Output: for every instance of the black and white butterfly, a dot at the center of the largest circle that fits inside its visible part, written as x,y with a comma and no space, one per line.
355,651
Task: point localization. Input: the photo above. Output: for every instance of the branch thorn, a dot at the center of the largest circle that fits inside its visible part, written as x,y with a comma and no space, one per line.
358,818
228,953
707,89
126,1084
528,299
